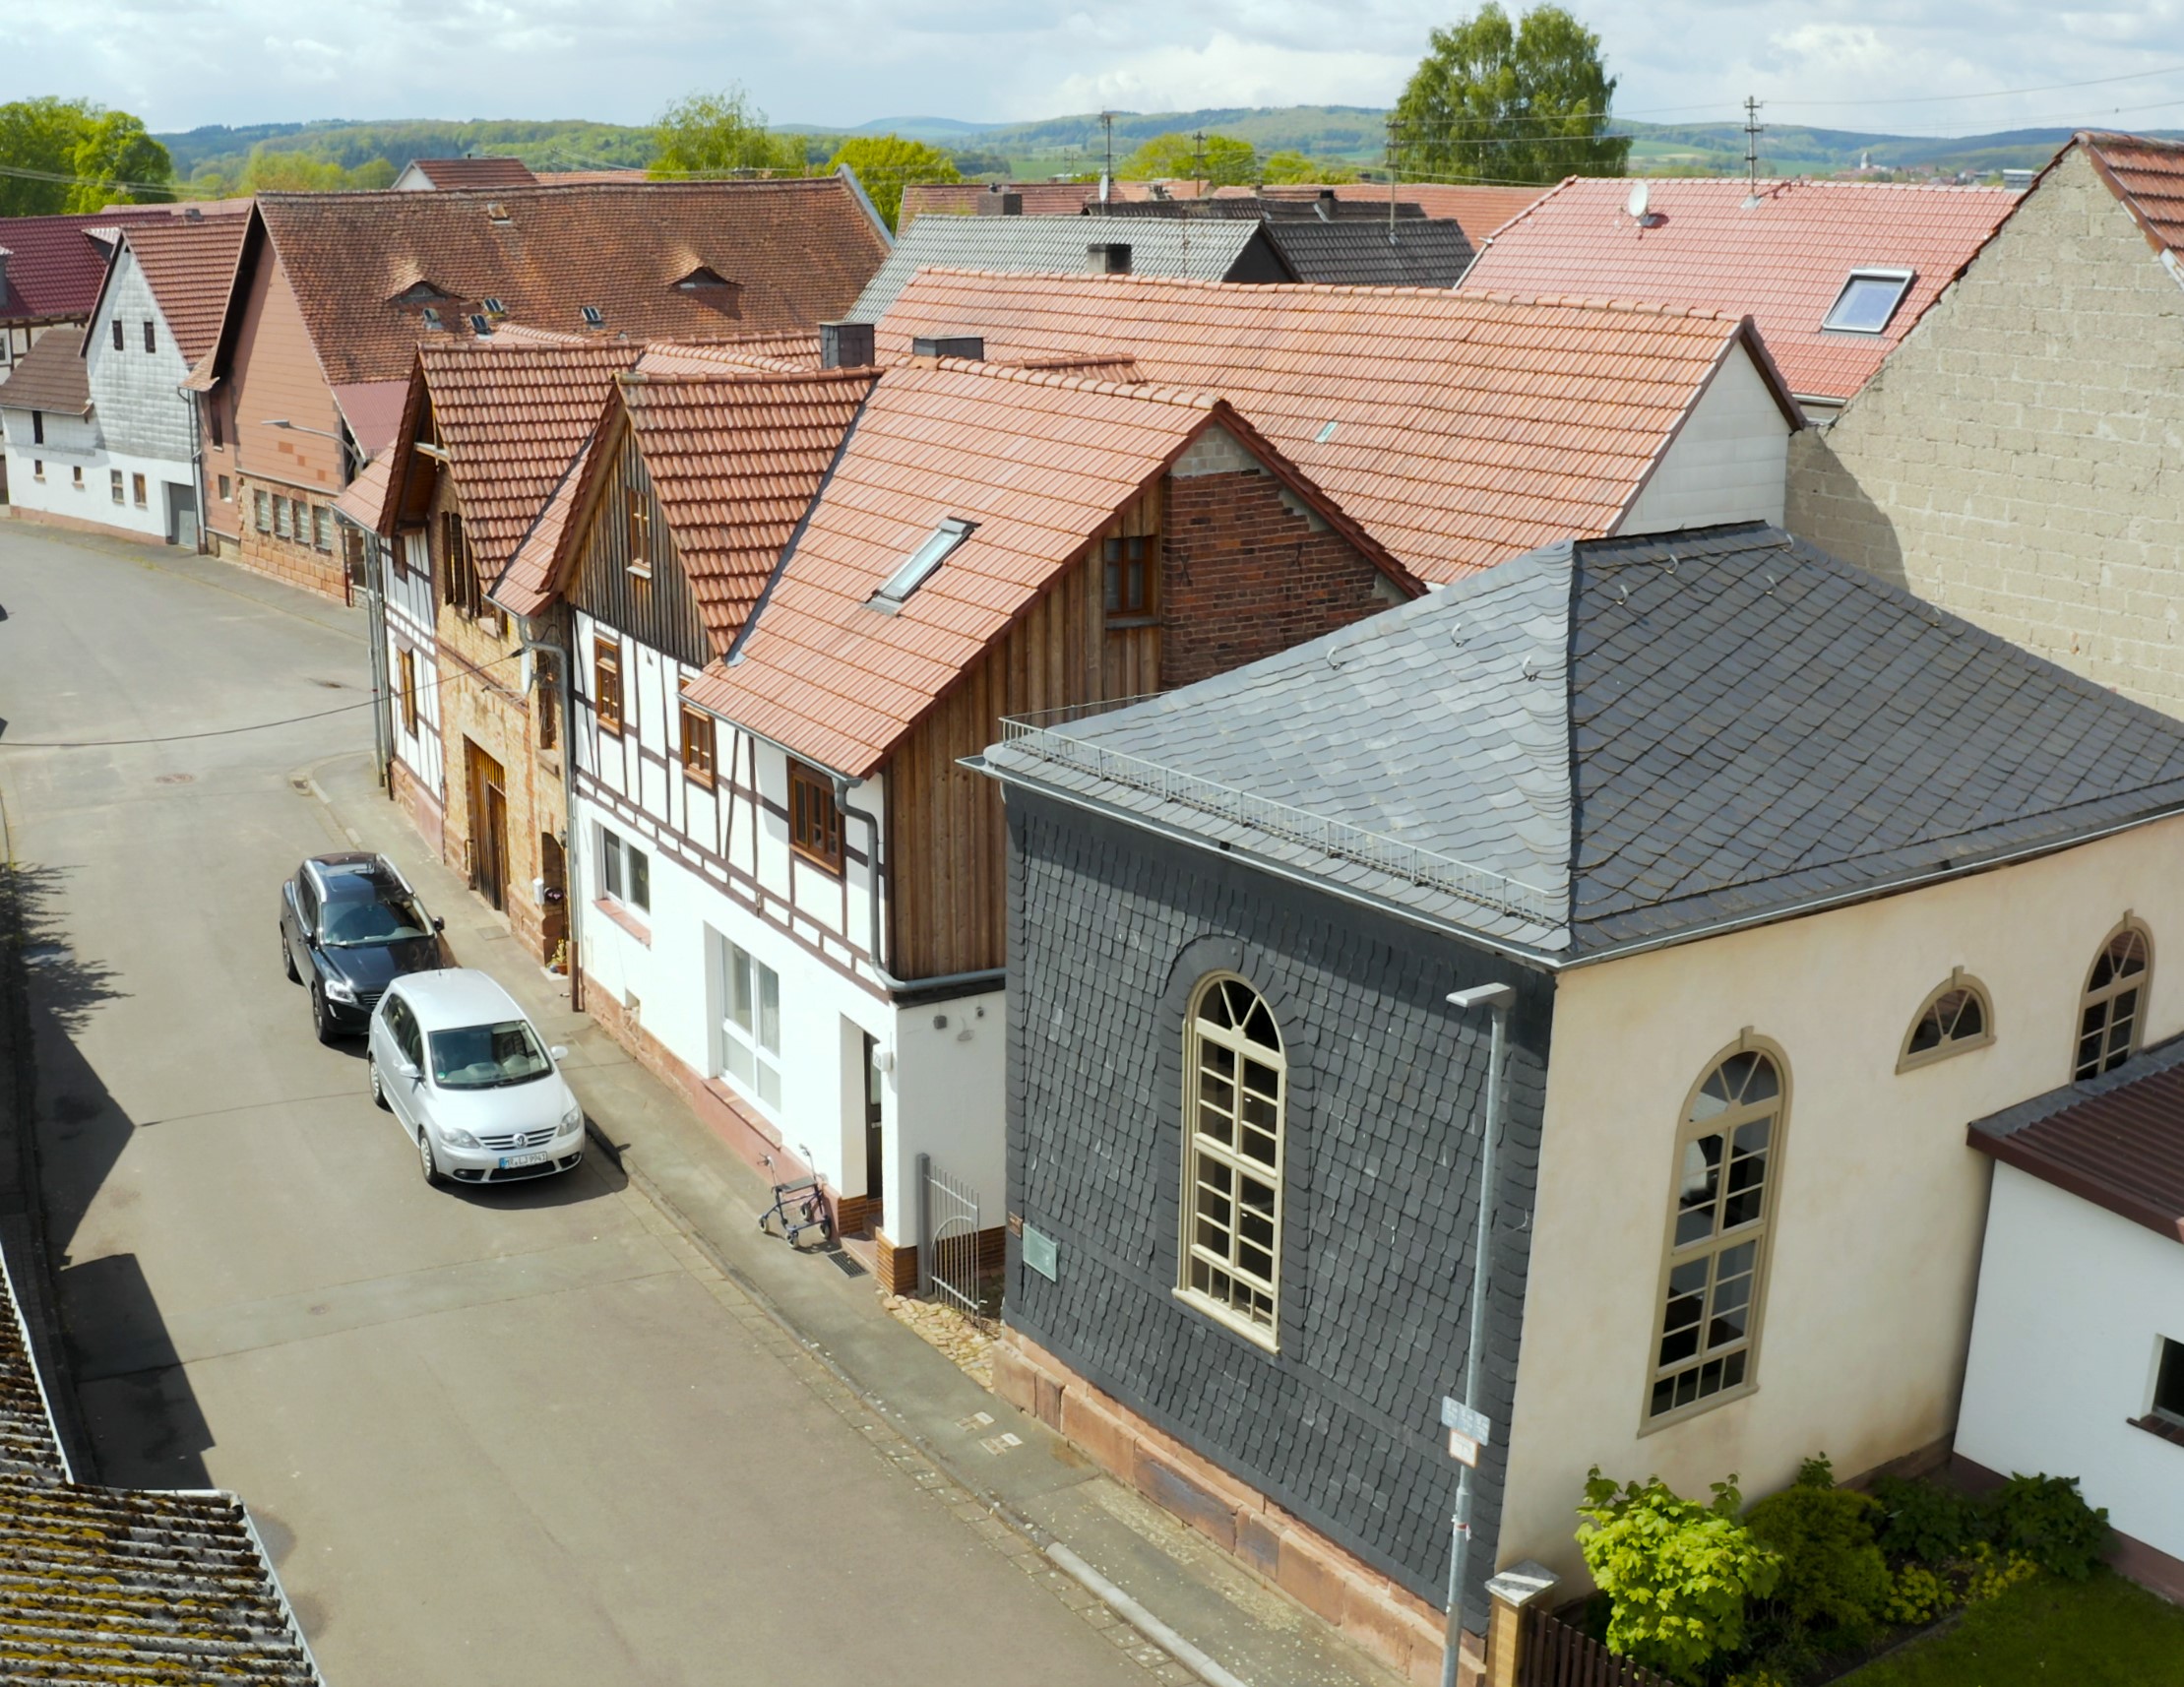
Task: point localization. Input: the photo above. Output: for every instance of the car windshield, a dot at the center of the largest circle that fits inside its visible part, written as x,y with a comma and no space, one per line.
488,1056
359,923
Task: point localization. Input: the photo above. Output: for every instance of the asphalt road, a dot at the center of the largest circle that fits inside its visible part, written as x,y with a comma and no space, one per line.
524,1436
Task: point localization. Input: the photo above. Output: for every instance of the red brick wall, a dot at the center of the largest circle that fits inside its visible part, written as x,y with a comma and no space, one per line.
1244,576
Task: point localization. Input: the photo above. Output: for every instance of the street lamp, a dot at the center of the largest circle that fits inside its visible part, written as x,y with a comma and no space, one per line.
1468,1427
283,423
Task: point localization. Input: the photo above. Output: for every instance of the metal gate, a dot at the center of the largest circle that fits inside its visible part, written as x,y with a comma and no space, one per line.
948,1239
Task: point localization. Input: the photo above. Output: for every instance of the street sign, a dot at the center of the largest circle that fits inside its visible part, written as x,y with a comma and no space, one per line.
1472,1425
1039,1252
1463,1449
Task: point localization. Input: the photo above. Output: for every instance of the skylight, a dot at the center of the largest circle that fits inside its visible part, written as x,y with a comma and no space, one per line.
594,317
432,318
493,306
483,326
924,560
1868,300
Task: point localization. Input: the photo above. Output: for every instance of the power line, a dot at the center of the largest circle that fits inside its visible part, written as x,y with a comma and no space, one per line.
230,731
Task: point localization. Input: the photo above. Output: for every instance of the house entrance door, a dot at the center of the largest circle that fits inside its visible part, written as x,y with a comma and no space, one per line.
875,1155
488,828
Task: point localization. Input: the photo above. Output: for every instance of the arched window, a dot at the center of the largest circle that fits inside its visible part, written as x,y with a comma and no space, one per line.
2113,1008
1713,1279
1233,1077
1959,1016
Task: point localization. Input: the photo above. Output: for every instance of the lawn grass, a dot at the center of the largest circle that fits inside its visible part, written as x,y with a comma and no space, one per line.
2103,1633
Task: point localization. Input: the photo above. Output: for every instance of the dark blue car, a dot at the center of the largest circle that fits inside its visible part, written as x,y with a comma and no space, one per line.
350,926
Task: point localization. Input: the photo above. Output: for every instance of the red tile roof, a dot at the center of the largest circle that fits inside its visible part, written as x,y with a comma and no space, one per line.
1782,261
737,460
511,419
364,500
51,375
53,268
373,411
448,174
189,264
1038,461
1460,428
2148,177
2121,1147
365,265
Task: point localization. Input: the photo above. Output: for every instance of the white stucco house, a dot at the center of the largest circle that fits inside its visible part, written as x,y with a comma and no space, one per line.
2077,1363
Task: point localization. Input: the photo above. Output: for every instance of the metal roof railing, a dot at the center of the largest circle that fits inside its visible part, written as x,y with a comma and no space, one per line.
1035,735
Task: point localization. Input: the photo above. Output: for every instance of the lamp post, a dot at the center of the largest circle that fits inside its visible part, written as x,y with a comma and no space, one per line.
1468,1427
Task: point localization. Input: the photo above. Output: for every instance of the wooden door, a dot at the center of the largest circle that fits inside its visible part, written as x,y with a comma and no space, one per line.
488,828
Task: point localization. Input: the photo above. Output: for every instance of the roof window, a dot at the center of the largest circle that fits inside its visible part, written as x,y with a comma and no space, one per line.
594,317
1868,301
924,560
483,326
1325,434
494,307
432,318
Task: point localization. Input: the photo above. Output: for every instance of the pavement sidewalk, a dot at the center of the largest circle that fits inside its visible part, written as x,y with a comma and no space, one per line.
1177,1587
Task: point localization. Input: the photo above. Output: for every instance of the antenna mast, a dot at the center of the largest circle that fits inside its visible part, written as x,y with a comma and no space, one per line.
1753,130
1394,141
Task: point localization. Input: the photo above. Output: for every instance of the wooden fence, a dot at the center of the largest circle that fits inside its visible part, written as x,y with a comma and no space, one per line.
1555,1655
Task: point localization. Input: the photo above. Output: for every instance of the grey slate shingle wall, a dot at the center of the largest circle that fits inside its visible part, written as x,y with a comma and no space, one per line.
1110,930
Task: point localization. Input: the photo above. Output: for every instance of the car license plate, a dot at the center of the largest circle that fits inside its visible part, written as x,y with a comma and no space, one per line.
511,1161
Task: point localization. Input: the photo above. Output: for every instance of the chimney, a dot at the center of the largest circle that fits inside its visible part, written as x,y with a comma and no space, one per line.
1012,205
1107,257
972,347
845,345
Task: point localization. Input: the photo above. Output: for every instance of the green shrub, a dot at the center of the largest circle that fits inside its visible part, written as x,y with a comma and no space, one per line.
1833,1573
1991,1573
1917,1595
1927,1521
2044,1519
1679,1573
1818,1471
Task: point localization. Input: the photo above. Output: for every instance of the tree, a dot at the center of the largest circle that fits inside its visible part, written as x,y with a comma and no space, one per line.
1292,166
885,163
1225,161
720,134
1526,102
117,163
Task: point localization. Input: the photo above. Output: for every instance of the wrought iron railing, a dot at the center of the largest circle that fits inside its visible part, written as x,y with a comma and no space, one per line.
1037,735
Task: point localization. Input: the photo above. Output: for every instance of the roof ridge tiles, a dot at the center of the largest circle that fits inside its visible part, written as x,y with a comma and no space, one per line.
1070,380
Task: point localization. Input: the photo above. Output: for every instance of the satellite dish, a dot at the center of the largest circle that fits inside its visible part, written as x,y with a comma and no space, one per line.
1638,201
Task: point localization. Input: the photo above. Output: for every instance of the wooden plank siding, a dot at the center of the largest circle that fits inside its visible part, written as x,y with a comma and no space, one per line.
662,611
946,838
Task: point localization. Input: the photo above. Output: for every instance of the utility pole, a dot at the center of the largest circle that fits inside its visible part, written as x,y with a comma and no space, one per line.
1753,130
1199,162
1394,143
1107,124
1470,1429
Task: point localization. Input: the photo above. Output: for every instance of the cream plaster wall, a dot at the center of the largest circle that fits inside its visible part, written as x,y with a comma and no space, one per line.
1880,1201
2020,457
1729,463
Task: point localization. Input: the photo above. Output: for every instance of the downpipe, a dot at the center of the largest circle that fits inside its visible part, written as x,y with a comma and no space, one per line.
844,786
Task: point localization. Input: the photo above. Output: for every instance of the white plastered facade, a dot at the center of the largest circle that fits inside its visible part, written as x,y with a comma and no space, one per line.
723,873
411,632
1880,1202
1728,462
2075,1303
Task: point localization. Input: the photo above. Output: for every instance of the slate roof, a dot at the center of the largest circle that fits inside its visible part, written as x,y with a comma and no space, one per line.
55,268
1206,249
983,199
2147,175
113,1585
511,418
1629,740
1418,252
1782,261
189,264
1459,428
51,375
2116,1139
448,174
365,265
1040,462
1480,209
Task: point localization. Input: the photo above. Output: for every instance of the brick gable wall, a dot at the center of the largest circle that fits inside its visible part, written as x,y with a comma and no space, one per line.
1247,571
2015,459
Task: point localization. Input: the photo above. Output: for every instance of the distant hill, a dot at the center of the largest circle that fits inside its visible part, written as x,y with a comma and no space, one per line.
1053,146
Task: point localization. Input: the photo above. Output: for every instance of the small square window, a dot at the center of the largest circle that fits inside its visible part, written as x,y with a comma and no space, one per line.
114,477
1129,563
2168,1384
76,475
37,469
814,816
226,491
1868,301
697,745
606,683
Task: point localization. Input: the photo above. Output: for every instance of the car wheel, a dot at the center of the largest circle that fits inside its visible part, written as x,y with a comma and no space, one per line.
379,1096
287,958
321,1021
424,1159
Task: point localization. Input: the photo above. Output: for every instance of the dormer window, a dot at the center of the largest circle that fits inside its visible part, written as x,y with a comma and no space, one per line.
1868,301
701,277
419,292
432,318
922,561
594,317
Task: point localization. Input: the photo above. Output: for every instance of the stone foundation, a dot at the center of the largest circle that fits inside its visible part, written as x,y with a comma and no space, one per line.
1384,1620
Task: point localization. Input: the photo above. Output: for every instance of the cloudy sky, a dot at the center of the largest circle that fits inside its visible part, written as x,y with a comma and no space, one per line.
1907,67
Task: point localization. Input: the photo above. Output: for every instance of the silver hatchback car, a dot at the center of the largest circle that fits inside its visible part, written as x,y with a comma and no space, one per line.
470,1081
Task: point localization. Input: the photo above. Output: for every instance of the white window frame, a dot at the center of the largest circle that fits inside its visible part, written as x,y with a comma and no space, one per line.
1227,1160
617,880
748,1047
1870,273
